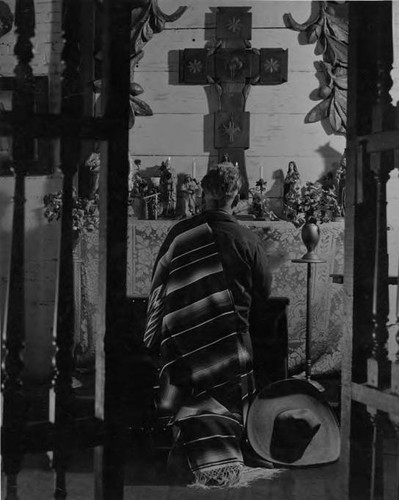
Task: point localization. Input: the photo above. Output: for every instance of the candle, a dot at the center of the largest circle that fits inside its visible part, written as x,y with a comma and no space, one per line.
194,169
260,172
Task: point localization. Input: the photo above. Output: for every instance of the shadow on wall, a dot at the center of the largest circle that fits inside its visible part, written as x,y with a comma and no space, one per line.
41,255
276,192
331,158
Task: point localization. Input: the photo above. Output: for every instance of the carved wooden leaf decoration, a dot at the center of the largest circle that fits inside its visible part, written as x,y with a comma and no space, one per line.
290,22
140,107
330,33
337,51
132,117
337,27
319,112
339,103
135,89
335,119
340,77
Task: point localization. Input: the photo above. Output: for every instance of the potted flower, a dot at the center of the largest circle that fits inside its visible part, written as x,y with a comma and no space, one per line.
307,208
302,204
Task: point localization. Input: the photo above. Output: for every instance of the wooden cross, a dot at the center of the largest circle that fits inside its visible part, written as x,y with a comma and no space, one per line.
232,66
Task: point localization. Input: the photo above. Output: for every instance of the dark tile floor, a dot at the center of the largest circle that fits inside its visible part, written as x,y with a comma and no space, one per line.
35,482
145,475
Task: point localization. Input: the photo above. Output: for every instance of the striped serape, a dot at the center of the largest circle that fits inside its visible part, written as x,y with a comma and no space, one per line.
206,373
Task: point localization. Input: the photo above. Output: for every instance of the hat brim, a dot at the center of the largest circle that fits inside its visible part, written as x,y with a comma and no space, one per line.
293,394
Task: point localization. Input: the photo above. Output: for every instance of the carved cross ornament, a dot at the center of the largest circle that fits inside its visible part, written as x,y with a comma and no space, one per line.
232,66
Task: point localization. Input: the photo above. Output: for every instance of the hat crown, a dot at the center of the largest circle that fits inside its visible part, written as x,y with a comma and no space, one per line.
297,415
293,431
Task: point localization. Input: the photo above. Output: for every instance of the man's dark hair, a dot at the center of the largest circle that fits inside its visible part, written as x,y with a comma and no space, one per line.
222,182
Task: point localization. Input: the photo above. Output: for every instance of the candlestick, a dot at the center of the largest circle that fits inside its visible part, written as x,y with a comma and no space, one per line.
194,169
260,172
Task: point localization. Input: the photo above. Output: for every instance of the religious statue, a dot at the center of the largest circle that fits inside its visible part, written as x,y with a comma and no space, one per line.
89,176
199,199
151,199
138,186
189,189
292,184
168,189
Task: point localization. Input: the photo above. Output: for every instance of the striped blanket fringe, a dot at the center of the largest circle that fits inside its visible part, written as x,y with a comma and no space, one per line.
247,477
224,476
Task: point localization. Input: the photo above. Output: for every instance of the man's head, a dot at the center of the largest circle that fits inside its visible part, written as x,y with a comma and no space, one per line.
221,186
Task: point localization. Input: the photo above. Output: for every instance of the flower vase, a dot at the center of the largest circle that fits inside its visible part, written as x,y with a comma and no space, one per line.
310,236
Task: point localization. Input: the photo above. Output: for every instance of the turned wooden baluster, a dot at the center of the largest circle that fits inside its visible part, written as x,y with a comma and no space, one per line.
61,407
378,364
380,163
14,325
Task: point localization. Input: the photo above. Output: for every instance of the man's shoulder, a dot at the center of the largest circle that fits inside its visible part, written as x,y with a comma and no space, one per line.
246,233
185,225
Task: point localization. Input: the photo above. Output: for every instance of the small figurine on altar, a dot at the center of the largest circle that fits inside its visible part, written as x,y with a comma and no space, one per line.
292,187
189,189
168,189
226,161
137,184
92,166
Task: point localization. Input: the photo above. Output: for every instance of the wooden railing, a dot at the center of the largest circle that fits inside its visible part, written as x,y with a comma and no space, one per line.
14,407
373,138
63,431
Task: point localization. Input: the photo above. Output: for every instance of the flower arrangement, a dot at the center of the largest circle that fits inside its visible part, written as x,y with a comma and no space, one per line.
84,211
311,204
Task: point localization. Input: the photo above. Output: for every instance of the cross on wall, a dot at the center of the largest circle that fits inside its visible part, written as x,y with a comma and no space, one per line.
232,67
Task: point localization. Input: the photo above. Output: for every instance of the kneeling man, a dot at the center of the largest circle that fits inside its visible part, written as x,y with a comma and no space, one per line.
209,272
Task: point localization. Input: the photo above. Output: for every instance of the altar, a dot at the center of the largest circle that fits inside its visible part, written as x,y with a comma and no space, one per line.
289,280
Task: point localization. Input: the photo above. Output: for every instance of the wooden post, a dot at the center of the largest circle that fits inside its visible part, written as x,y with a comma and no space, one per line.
14,326
381,163
370,147
111,377
61,395
358,277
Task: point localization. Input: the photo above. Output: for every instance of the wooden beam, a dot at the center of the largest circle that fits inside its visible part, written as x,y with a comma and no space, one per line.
386,140
339,278
383,400
43,125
